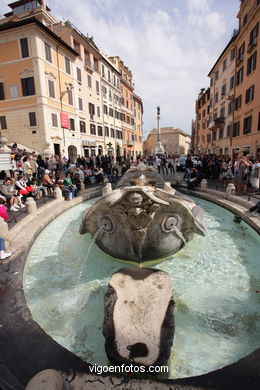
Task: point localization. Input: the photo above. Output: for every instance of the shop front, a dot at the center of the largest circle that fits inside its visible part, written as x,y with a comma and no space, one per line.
89,148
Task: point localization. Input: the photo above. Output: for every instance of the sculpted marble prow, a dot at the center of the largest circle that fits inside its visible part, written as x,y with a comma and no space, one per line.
143,219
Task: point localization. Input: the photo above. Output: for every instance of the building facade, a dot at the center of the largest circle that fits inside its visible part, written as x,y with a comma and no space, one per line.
233,124
138,124
175,141
58,92
127,107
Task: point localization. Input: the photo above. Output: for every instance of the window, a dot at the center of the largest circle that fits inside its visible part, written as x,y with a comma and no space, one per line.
76,46
211,81
28,86
3,124
253,35
89,81
236,129
103,71
238,102
51,89
245,19
216,97
251,63
240,75
222,112
67,65
82,126
100,131
32,119
13,91
98,111
106,131
247,125
91,108
80,104
208,137
79,75
92,129
216,75
24,47
221,133
97,86
214,135
228,130
250,94
54,120
109,75
232,80
232,53
47,52
2,94
224,64
70,97
110,111
96,65
223,90
72,124
230,108
112,132
105,109
240,54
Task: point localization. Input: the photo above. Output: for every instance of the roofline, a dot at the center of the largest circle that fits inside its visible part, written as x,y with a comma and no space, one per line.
110,64
221,55
10,25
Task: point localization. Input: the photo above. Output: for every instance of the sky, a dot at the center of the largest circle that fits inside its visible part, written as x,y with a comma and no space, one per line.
170,46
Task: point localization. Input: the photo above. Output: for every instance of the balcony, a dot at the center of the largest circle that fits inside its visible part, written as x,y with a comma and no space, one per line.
220,121
251,44
89,65
211,125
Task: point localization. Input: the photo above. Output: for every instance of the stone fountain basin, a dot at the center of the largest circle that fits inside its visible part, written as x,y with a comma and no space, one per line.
216,301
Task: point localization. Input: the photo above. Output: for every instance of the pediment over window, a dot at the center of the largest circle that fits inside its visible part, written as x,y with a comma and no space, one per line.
26,73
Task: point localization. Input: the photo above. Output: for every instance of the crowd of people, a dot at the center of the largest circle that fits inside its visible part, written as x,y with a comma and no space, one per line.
244,171
34,176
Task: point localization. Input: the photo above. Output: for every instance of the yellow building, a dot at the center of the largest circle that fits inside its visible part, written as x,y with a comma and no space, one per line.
58,91
175,141
36,98
127,109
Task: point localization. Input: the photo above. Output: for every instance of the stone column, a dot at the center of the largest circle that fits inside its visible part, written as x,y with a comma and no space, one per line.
58,193
203,185
31,207
230,190
107,189
82,186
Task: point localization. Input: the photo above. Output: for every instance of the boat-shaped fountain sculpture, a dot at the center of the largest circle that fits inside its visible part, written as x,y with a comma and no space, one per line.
143,219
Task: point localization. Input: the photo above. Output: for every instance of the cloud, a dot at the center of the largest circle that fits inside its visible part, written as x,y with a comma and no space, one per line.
170,47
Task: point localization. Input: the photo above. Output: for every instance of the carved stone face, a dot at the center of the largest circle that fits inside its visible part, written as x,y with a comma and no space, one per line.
135,199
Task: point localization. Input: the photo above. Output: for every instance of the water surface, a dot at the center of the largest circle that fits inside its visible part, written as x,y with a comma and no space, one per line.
215,282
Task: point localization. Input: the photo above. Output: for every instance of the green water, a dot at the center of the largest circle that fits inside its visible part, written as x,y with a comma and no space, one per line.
215,282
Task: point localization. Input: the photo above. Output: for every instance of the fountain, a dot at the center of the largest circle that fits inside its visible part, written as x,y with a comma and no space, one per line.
212,278
143,219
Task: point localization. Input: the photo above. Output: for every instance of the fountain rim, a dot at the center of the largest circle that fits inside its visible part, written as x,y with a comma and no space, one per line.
28,330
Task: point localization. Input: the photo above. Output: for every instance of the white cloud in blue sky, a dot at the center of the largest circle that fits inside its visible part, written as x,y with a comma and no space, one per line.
170,46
